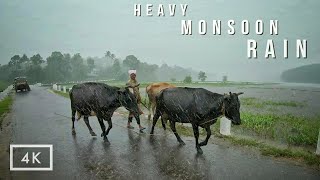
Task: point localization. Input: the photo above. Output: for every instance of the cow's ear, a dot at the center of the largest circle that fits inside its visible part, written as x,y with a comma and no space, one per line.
239,93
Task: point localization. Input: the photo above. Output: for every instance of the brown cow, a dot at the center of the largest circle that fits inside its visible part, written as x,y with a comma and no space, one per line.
152,90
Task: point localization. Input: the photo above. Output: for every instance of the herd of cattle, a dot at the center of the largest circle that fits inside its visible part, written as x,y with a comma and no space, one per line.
197,106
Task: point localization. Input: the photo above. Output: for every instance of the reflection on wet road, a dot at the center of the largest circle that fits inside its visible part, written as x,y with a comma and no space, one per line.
129,154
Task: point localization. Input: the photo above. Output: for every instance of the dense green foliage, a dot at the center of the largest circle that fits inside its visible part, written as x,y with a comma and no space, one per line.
59,67
187,79
5,106
303,74
3,85
202,76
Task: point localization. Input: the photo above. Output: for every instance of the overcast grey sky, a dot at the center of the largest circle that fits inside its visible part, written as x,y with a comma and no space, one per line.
92,27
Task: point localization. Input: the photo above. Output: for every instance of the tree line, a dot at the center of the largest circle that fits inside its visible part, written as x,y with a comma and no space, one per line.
63,67
57,67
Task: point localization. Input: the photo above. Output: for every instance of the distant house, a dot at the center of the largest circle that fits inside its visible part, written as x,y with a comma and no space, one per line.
93,73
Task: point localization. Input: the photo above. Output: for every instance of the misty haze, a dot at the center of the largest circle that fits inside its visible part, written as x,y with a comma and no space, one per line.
91,29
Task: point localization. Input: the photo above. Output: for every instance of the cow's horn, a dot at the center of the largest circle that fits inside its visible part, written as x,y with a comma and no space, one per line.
239,93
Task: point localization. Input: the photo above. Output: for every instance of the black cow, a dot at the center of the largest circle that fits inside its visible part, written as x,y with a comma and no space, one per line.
101,100
197,106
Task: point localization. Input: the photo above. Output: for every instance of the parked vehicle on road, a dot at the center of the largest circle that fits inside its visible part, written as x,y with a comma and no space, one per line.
21,83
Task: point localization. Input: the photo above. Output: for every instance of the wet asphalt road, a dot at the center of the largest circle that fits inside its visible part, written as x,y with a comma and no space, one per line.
129,154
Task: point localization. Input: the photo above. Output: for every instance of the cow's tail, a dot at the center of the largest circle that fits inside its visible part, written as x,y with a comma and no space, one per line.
73,108
159,97
147,96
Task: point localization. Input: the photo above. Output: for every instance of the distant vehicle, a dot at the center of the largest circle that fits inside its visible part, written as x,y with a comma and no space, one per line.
21,83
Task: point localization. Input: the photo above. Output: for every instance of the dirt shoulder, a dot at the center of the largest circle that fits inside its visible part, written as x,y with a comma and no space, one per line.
5,140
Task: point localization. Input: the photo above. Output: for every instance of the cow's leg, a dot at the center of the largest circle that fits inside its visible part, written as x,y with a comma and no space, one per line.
73,118
150,109
163,121
103,128
205,142
86,120
154,122
110,125
173,128
196,135
153,108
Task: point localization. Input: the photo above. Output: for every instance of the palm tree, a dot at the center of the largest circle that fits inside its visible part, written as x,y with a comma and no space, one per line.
107,54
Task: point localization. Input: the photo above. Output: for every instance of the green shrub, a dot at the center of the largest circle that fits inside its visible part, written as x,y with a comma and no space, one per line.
187,79
3,85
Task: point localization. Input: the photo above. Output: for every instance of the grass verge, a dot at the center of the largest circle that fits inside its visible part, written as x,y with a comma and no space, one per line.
293,130
66,95
5,106
308,157
255,102
3,85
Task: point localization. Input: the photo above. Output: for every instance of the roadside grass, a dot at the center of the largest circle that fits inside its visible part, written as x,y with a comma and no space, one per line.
66,95
5,106
308,157
293,130
258,103
284,103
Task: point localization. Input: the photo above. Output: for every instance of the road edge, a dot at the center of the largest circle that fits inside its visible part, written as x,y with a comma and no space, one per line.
5,140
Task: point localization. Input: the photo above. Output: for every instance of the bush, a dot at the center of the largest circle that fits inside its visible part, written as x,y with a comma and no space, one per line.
187,79
3,85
